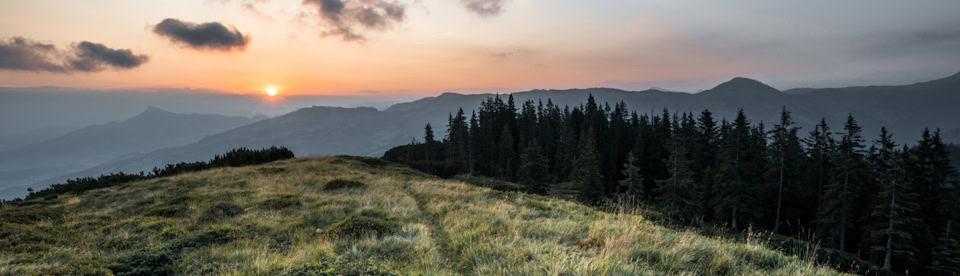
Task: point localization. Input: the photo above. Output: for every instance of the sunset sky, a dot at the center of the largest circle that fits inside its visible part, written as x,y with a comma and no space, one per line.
423,47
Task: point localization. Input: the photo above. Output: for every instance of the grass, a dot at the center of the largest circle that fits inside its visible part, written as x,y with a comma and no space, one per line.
281,219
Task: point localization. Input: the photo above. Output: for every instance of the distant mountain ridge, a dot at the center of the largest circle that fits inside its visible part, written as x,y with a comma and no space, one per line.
904,109
152,129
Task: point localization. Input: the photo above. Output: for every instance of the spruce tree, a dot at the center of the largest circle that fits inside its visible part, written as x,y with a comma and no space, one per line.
678,193
533,169
839,195
893,212
785,150
586,170
820,149
735,194
632,184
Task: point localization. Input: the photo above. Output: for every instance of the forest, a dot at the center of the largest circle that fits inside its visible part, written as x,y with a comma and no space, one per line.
891,204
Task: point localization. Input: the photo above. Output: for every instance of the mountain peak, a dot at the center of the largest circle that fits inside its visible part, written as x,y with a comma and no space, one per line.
741,85
155,110
951,81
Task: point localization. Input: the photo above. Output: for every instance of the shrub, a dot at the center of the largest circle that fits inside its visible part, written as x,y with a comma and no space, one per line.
359,226
30,215
338,184
369,161
174,211
212,236
279,203
145,263
221,210
271,170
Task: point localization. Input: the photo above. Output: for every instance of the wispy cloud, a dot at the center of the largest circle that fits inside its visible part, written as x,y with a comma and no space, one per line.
349,19
21,54
203,36
484,7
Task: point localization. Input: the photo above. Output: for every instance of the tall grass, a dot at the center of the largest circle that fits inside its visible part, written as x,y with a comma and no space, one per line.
278,218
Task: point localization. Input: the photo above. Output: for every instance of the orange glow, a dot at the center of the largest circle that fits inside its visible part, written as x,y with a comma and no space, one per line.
271,91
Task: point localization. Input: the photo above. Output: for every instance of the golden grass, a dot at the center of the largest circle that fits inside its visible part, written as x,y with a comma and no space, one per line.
447,228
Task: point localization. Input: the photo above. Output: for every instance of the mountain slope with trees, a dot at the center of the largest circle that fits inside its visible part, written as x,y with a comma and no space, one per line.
889,203
365,131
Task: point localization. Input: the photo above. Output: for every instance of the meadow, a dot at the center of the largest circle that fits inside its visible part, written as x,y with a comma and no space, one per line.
353,216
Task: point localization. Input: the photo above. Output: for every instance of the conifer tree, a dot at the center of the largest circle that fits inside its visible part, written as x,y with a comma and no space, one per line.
428,134
735,194
507,153
785,149
457,141
586,171
820,149
678,193
839,195
893,211
632,184
533,169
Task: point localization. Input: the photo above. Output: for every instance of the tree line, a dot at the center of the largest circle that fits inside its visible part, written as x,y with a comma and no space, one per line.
233,158
894,205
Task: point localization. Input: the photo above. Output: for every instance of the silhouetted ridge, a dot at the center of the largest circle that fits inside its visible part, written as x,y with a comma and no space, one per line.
741,85
951,81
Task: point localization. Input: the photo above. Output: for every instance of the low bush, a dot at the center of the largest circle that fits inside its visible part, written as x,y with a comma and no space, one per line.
280,203
359,226
369,161
216,235
221,210
145,263
175,211
338,184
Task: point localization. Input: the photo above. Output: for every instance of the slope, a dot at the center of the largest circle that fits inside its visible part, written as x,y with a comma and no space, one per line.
291,217
152,129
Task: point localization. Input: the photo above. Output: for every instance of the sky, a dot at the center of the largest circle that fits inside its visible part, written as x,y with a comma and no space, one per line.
425,47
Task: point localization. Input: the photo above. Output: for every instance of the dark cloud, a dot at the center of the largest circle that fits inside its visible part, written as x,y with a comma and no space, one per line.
346,18
92,57
21,54
205,36
484,7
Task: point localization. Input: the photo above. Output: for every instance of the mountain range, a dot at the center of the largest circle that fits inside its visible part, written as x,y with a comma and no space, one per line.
904,109
152,129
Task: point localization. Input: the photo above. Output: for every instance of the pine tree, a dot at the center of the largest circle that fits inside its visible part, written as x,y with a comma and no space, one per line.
428,134
820,149
632,184
679,192
586,172
457,141
894,209
533,169
735,194
507,153
839,195
785,149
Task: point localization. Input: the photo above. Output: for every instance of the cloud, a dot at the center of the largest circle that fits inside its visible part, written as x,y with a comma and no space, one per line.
22,54
484,8
204,36
93,57
514,52
346,18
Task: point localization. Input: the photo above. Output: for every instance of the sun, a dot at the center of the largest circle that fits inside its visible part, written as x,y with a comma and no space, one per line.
271,91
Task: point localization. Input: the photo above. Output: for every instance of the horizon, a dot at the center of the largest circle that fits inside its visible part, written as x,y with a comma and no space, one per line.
373,95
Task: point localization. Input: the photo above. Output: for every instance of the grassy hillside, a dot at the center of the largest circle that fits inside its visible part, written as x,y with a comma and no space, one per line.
343,215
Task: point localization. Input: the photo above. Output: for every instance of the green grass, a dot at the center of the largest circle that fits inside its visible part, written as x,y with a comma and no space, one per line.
281,218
